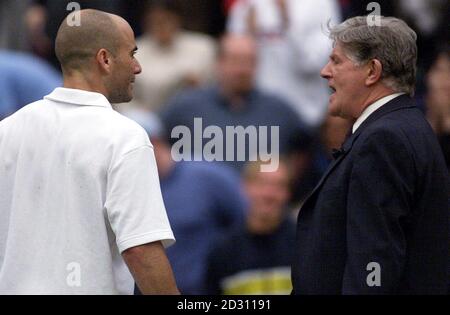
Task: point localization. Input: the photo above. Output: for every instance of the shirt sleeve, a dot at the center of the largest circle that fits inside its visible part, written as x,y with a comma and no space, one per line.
134,203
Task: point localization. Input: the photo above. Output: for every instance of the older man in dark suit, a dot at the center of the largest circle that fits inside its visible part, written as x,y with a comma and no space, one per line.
378,221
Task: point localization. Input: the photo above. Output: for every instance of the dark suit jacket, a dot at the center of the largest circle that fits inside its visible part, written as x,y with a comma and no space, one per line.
385,199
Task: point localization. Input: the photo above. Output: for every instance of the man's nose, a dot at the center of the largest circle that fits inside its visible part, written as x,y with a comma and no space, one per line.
325,72
137,68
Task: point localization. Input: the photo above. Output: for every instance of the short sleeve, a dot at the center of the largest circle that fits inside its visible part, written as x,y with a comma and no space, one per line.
134,203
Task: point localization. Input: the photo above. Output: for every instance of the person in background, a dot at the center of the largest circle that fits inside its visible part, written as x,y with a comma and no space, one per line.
255,258
24,79
13,28
292,49
438,99
232,101
171,58
203,200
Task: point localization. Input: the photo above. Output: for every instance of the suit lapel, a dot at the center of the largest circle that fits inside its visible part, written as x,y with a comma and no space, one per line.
346,147
400,102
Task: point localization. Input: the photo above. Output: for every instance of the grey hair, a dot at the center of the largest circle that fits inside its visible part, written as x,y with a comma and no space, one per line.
392,42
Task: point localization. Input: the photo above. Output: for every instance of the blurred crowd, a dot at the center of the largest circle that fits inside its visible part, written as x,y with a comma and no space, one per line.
231,63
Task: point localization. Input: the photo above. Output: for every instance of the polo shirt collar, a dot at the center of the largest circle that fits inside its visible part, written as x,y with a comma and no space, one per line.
78,97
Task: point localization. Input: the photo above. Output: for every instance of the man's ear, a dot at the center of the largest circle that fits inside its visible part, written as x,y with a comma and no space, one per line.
103,58
374,72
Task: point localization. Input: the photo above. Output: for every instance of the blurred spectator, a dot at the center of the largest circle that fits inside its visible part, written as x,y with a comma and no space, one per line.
171,58
256,257
203,201
292,49
13,34
24,79
438,99
233,101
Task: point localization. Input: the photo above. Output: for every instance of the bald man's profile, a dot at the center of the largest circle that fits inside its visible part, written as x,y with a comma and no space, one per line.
100,44
76,43
81,207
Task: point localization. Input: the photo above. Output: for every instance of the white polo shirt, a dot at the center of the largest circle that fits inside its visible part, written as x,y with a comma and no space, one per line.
78,186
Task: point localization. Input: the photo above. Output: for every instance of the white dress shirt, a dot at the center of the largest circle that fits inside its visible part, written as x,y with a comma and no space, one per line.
372,108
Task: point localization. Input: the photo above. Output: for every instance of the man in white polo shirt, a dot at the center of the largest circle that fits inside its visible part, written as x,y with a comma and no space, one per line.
79,190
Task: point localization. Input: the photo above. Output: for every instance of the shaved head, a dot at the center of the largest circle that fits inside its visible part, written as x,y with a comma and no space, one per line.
232,43
98,55
74,45
237,61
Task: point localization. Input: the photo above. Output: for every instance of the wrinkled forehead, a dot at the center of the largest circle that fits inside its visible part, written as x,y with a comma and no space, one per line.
340,50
